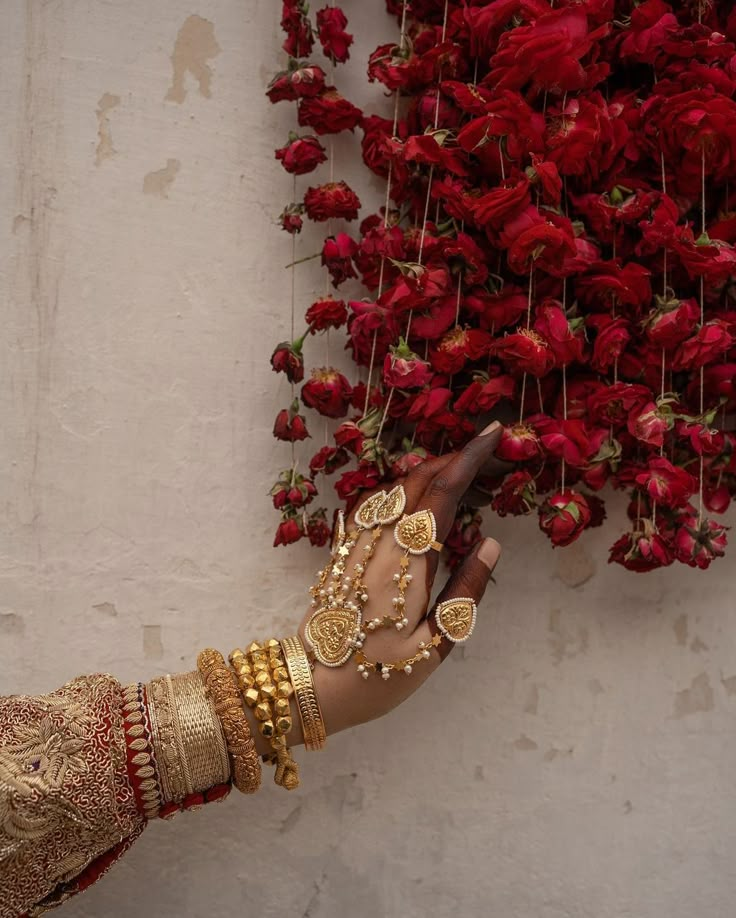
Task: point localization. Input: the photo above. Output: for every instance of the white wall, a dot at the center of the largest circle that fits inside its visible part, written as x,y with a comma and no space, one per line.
576,759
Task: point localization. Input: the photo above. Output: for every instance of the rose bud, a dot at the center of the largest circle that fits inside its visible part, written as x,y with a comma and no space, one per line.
295,22
517,495
642,551
301,154
290,530
409,457
335,41
291,219
666,483
699,543
403,369
337,257
328,392
563,516
326,313
290,425
332,200
318,529
518,443
288,358
292,490
328,460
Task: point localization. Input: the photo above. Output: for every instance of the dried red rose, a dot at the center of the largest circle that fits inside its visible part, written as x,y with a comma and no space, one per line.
288,358
301,154
337,256
290,425
335,199
563,516
403,369
328,392
326,313
698,542
328,113
335,41
290,530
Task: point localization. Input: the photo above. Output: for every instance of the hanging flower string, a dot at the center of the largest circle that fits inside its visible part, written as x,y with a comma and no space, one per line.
576,159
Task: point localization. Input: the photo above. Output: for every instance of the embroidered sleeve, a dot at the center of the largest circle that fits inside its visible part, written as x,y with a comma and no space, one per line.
67,803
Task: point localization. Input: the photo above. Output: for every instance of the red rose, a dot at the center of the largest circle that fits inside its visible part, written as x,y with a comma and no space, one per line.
642,551
352,483
566,440
403,461
291,219
666,483
335,199
335,41
547,53
301,154
464,535
501,204
525,352
650,423
547,176
328,392
326,313
318,530
290,425
459,346
709,343
328,460
565,338
611,340
372,329
428,403
672,321
704,440
329,113
545,245
292,490
616,403
563,516
299,83
289,530
403,369
517,495
699,543
651,23
337,257
350,436
429,150
518,443
288,358
296,24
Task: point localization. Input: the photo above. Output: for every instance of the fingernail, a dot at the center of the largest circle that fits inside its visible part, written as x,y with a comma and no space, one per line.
494,425
489,553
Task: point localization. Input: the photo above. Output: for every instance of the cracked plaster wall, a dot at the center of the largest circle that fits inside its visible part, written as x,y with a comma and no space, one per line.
576,760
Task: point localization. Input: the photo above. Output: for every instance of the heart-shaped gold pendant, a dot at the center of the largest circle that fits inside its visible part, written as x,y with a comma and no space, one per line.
456,618
331,633
365,516
392,506
417,532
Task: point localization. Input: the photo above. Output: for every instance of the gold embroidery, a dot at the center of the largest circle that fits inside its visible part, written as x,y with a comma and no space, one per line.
65,797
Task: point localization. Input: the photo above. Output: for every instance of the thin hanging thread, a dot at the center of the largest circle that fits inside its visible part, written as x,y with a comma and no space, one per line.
423,233
387,204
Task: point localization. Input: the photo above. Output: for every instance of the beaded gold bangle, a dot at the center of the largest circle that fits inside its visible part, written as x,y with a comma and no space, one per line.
264,682
222,688
310,714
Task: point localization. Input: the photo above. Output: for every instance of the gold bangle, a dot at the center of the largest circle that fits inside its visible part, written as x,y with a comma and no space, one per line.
310,714
264,680
222,688
139,737
202,742
171,774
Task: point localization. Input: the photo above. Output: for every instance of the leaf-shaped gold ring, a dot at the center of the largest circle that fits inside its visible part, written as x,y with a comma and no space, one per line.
456,618
417,533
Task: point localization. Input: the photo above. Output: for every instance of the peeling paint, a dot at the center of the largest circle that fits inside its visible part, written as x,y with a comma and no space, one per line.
525,743
106,608
159,182
105,148
575,566
11,624
695,700
554,753
153,648
679,626
566,641
697,645
729,684
595,687
195,45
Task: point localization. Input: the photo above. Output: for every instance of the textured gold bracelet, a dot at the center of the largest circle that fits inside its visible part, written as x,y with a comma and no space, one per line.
222,687
141,751
199,733
163,730
310,714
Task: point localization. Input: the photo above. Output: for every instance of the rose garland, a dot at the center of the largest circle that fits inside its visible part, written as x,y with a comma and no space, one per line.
557,245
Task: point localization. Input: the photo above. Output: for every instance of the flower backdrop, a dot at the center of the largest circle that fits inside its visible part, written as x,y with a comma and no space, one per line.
556,247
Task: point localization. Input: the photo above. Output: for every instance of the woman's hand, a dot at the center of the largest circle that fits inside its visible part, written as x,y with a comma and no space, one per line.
437,485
